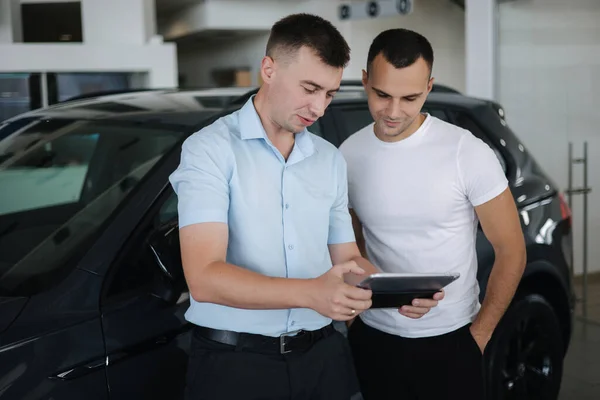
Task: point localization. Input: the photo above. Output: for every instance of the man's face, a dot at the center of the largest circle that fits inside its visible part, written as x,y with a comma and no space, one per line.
301,89
396,95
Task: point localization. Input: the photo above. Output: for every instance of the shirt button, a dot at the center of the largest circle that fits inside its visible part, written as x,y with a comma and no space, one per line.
291,247
293,323
287,206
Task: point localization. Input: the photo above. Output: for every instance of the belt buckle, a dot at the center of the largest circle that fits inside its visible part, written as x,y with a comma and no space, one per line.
282,343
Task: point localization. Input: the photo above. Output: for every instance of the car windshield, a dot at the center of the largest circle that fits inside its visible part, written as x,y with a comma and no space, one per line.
60,180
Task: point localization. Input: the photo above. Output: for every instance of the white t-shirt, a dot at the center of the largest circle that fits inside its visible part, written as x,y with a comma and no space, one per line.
415,199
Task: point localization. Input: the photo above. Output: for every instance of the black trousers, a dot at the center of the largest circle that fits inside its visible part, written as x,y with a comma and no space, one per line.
448,366
224,372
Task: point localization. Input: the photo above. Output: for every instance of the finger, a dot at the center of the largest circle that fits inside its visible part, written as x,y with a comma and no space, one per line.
411,315
427,303
439,295
349,266
355,293
358,305
344,314
416,310
351,308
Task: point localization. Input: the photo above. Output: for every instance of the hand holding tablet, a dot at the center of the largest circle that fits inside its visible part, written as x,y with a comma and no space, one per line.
394,290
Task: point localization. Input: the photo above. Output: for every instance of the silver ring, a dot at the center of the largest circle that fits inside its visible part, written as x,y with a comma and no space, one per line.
353,312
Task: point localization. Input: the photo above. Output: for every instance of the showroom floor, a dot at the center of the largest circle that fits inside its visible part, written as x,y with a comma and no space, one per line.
593,301
581,378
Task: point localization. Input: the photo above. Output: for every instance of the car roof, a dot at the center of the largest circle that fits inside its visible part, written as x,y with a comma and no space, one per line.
168,105
136,105
356,94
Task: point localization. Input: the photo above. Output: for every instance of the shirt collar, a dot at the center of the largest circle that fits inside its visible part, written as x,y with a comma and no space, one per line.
250,125
251,128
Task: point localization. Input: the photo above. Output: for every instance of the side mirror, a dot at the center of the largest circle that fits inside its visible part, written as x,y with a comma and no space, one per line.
163,244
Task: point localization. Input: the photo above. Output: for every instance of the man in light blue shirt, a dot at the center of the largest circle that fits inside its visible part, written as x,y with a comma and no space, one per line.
266,235
281,214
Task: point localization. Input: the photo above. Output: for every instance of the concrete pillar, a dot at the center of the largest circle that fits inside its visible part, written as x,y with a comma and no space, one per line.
118,21
10,22
481,47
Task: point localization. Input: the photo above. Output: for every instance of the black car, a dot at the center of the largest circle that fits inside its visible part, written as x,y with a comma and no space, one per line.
92,294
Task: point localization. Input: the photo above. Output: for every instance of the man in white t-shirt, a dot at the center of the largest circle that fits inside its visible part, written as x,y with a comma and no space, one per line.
418,186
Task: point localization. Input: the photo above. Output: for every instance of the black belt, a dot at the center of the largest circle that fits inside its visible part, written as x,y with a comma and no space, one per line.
292,341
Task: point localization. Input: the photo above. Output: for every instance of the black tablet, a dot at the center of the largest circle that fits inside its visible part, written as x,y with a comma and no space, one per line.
394,290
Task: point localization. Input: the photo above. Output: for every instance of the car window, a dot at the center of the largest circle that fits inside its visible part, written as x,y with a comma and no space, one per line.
61,181
352,119
168,211
57,169
148,253
463,120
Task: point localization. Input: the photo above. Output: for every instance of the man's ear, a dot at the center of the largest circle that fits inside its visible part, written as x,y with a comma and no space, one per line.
267,69
365,78
430,85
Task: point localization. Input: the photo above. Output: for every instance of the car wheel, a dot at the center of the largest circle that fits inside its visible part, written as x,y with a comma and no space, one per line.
525,357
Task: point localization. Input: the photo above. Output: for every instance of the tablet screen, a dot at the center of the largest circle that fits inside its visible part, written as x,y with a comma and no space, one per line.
402,282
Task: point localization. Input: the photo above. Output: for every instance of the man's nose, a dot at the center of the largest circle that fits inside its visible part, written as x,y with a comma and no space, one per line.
394,110
318,105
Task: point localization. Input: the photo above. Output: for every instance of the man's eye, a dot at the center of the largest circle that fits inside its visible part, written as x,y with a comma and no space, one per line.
410,99
383,96
309,91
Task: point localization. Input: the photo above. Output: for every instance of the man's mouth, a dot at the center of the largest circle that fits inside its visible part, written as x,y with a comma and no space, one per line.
391,124
306,121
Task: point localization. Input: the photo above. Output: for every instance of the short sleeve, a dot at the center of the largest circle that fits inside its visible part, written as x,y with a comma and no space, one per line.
340,222
346,156
480,171
201,181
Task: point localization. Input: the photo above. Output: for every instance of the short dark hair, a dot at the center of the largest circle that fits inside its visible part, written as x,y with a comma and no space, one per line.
291,33
401,48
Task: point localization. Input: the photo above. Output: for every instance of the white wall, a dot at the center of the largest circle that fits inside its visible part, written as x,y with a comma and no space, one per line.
439,20
119,36
549,83
118,21
158,61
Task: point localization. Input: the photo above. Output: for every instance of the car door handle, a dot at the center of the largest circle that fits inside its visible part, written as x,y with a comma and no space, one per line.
80,370
185,296
146,346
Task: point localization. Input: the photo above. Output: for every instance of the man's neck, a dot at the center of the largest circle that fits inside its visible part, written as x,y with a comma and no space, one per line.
280,138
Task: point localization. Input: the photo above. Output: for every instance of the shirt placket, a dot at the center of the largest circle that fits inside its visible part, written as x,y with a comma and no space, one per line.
289,238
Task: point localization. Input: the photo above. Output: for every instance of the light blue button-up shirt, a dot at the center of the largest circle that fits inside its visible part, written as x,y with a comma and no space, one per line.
281,215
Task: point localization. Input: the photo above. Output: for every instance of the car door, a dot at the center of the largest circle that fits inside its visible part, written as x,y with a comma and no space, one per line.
143,304
54,349
51,341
